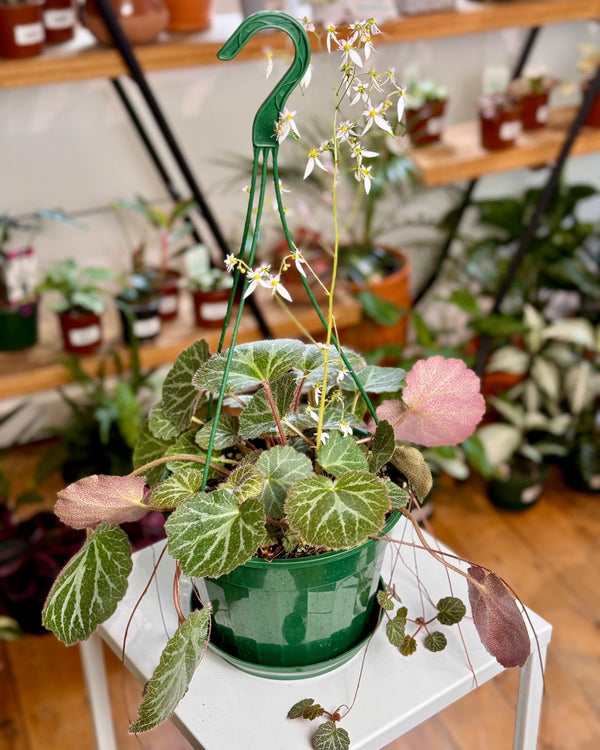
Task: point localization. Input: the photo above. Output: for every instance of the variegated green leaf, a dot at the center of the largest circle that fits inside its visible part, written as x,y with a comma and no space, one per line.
245,481
340,513
257,418
331,737
340,454
171,678
177,488
252,364
281,467
227,433
212,534
178,393
547,376
509,359
376,379
148,448
399,496
160,426
395,628
90,586
186,445
382,447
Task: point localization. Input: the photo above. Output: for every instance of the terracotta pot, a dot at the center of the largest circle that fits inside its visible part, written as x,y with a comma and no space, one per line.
394,288
168,288
188,15
59,20
534,111
593,117
21,29
141,20
425,124
210,307
502,130
81,331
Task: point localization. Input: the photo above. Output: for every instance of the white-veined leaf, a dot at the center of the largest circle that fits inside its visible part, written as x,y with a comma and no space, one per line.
90,586
281,467
177,488
547,376
577,331
227,433
258,419
340,454
171,678
376,379
178,393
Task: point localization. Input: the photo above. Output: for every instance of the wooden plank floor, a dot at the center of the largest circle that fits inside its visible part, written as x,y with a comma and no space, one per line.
551,555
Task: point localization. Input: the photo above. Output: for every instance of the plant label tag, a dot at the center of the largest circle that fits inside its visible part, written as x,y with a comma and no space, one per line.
147,327
62,18
434,126
213,310
168,304
510,130
26,34
531,494
541,114
84,336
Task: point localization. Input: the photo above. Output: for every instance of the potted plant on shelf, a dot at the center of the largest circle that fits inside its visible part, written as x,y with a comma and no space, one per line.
210,287
425,105
500,120
21,28
264,461
139,308
171,227
532,90
79,303
588,65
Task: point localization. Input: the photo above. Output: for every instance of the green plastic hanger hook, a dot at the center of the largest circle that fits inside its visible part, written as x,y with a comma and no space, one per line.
263,129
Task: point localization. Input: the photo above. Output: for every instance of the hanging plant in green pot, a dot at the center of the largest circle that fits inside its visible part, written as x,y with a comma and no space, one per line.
263,458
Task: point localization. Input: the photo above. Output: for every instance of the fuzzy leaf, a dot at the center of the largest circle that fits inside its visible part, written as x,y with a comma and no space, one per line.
340,454
331,737
375,379
160,426
384,601
227,433
98,498
177,488
339,513
298,709
178,392
497,618
313,712
148,448
171,678
435,641
281,467
399,496
252,364
186,444
395,628
90,586
450,610
212,534
412,464
408,646
257,418
245,482
382,448
443,403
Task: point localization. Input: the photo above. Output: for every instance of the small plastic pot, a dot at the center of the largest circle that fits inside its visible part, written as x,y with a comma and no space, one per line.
18,327
81,331
502,130
140,318
168,287
425,124
21,29
210,307
519,491
59,20
534,111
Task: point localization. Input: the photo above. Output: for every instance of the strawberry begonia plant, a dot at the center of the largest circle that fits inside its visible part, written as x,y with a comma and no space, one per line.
278,448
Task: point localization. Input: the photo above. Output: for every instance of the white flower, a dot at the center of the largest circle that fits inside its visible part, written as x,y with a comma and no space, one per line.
274,284
312,413
331,36
344,428
307,77
361,92
269,64
286,125
340,375
375,79
313,159
368,46
318,390
350,54
324,437
255,277
230,262
299,262
360,153
363,174
308,25
401,103
373,115
344,131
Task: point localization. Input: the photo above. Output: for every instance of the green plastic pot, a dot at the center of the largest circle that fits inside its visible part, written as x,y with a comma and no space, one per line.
18,327
519,491
297,617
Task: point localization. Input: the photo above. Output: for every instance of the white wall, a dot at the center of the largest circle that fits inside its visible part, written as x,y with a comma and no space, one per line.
71,146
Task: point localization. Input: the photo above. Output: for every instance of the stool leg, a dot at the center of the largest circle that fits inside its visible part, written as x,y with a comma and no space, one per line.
94,672
529,704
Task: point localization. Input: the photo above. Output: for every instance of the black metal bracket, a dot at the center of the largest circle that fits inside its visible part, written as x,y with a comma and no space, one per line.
137,74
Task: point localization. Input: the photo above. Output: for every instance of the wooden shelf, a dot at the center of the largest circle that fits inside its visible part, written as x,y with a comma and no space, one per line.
83,59
39,368
459,156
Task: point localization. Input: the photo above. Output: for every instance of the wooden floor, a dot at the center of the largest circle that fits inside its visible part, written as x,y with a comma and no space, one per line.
550,554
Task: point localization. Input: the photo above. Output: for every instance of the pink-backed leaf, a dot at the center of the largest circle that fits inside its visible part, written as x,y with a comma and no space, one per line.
443,403
99,498
498,619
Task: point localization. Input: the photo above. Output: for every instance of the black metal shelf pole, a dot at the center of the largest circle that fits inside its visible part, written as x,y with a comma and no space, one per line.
466,199
137,74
